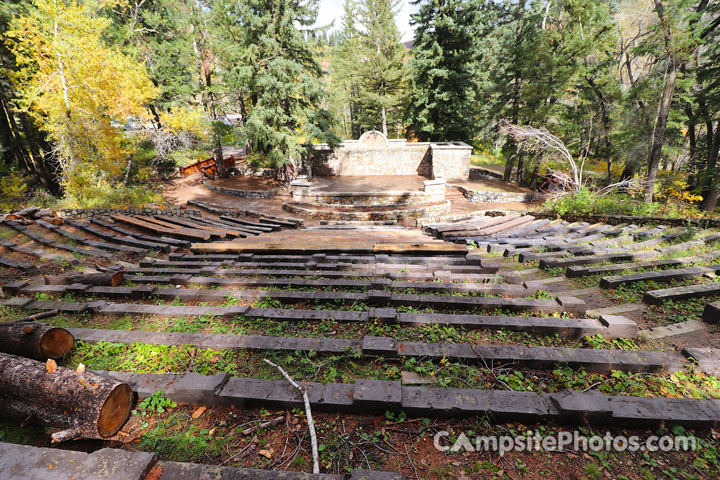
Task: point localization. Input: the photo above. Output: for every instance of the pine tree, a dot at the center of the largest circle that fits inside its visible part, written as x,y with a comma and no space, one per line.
381,71
442,104
269,56
343,66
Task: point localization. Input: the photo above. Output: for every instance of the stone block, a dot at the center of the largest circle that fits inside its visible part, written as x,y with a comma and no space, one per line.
711,314
383,346
13,287
196,388
336,397
655,297
617,326
18,302
32,463
380,283
383,315
572,305
96,306
377,395
372,475
116,464
707,359
143,291
143,385
412,378
183,279
378,297
576,406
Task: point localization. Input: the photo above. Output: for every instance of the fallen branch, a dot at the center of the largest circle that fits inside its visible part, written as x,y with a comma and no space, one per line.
37,316
308,414
270,423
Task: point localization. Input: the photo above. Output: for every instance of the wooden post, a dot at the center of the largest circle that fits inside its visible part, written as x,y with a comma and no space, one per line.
83,405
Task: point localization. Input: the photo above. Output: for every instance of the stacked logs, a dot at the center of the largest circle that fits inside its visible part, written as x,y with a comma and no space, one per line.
26,215
81,404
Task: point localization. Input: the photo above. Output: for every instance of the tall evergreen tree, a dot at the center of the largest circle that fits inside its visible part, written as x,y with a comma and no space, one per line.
381,70
442,103
344,63
268,54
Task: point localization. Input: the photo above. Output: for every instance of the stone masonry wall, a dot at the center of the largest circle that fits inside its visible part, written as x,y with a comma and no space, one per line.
402,159
236,192
451,160
102,212
484,196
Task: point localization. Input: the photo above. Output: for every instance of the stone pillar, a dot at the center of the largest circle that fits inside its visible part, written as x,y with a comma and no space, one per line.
435,189
300,188
451,160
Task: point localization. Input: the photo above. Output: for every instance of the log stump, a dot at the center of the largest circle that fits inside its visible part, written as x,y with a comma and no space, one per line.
35,340
82,405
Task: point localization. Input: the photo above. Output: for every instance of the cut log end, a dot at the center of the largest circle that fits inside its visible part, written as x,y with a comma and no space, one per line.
115,411
117,279
56,343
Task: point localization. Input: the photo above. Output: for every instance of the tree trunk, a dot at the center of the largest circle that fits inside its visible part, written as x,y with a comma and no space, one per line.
658,138
83,405
509,166
35,340
384,122
711,192
219,158
104,279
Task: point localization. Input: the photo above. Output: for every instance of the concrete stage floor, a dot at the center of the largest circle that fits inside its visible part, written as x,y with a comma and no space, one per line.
369,184
346,241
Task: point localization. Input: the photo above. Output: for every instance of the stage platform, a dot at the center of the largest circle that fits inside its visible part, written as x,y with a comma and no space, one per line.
369,191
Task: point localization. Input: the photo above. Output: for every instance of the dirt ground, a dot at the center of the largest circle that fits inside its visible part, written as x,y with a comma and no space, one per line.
180,190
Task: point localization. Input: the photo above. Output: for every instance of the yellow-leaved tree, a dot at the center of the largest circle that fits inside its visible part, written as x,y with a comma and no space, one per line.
72,84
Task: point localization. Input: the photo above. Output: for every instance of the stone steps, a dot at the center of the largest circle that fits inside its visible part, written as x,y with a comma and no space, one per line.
608,326
375,397
371,297
654,297
657,276
596,360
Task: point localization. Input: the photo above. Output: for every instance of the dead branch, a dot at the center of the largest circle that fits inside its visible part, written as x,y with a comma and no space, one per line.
540,140
270,423
308,414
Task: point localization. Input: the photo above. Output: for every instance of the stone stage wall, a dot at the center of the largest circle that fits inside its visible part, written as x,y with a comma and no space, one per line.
373,154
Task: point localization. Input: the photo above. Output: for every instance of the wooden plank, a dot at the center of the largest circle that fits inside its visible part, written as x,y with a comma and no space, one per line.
188,234
261,226
216,232
162,240
420,248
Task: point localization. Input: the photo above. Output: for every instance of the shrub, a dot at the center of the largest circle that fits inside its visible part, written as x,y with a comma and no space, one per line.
578,202
585,201
12,190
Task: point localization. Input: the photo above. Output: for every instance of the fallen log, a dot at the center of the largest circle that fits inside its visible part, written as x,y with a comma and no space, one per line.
35,340
44,212
52,220
103,279
28,211
83,405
